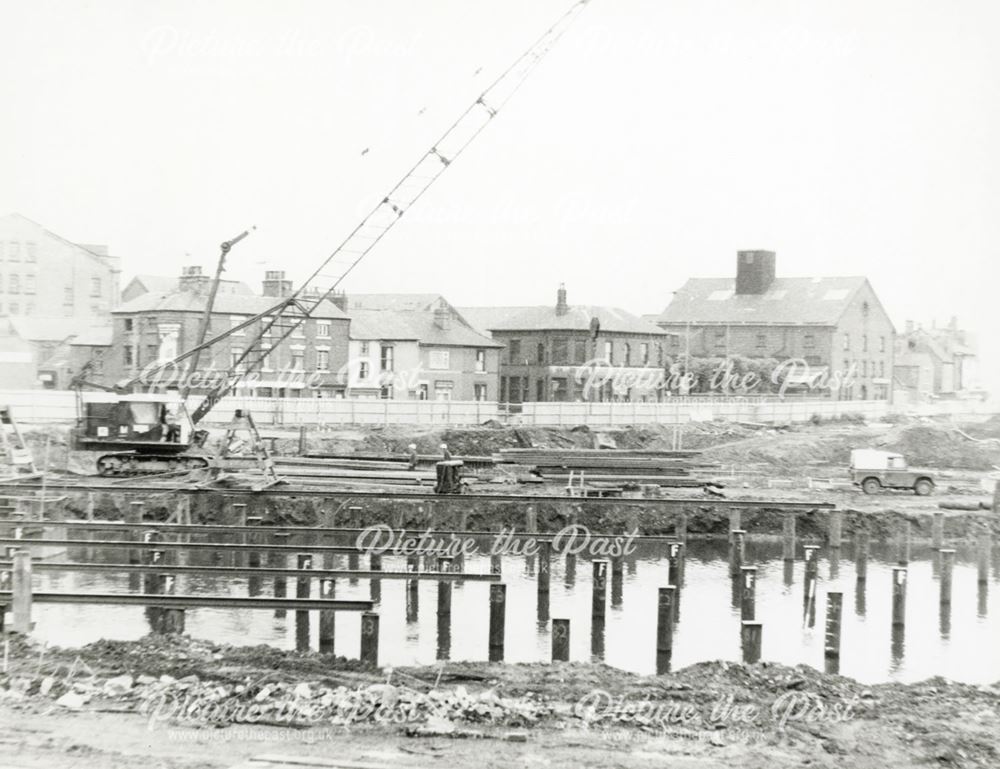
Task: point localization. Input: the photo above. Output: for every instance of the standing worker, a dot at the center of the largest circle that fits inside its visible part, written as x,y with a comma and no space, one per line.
445,452
412,449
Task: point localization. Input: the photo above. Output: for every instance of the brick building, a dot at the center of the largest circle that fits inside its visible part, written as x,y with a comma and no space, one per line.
45,275
157,326
571,352
836,325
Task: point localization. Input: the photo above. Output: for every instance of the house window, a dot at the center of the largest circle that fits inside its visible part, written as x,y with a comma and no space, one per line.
68,296
422,392
365,346
479,392
323,330
720,339
809,341
847,341
298,358
363,370
540,390
609,352
628,354
14,251
864,368
443,390
644,353
541,353
761,341
388,358
128,324
322,360
864,343
675,341
881,344
481,361
439,360
386,393
580,355
514,349
14,284
31,254
127,355
95,287
560,350
29,284
234,321
234,356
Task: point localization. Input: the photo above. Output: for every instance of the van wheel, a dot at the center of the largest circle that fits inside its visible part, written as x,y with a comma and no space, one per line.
871,486
923,487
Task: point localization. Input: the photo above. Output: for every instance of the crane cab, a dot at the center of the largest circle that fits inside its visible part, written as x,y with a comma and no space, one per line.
149,432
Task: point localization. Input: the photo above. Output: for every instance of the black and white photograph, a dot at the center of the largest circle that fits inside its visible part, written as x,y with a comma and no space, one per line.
400,384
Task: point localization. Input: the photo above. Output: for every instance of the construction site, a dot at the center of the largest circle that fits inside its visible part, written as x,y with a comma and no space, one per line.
192,576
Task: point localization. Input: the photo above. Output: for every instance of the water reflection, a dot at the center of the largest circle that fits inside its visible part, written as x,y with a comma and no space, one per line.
954,636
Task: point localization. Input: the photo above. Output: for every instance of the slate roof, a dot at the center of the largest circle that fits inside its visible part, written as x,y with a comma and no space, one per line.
380,324
35,328
418,326
577,318
458,333
789,301
225,304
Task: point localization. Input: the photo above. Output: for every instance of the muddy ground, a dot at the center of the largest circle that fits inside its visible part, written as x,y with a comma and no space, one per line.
175,702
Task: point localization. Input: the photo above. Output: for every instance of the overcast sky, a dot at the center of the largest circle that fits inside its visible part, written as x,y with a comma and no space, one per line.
657,139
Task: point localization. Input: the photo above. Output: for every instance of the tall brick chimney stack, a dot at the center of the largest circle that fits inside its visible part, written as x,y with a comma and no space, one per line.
754,271
192,280
561,307
275,284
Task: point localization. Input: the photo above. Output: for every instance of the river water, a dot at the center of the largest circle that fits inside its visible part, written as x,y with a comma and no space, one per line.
959,643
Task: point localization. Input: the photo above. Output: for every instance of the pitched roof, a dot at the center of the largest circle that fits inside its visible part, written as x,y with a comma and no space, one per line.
101,254
380,324
788,301
225,304
35,328
457,334
577,318
484,318
164,285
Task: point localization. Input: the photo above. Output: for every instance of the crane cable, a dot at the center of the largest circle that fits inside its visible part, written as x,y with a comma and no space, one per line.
439,157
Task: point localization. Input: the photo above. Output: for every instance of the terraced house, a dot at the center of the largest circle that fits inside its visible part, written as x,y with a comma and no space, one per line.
574,352
418,346
832,333
157,326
